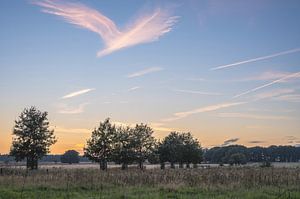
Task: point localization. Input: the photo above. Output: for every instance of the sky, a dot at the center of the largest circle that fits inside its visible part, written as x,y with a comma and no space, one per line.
226,71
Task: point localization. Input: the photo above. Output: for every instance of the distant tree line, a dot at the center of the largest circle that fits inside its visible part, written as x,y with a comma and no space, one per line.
49,158
127,145
238,154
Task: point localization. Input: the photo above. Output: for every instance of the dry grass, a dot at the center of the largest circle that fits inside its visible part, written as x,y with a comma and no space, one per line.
217,182
210,178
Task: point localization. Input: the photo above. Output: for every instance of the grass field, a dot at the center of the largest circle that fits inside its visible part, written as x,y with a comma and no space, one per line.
229,182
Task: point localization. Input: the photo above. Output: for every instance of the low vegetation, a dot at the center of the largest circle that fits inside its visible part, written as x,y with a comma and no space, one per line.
229,182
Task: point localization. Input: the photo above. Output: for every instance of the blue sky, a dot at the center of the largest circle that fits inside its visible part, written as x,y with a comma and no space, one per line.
43,58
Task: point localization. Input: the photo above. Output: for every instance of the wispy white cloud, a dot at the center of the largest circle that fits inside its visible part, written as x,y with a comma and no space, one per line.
196,92
293,75
253,116
268,75
133,88
76,93
73,110
144,72
60,129
195,79
180,115
161,127
257,59
274,93
145,28
289,98
155,126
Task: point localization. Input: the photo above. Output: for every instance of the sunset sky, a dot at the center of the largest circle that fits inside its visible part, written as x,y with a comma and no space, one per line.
227,71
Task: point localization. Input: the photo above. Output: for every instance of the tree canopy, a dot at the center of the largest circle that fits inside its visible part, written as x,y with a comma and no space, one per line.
100,145
180,148
32,137
70,156
144,143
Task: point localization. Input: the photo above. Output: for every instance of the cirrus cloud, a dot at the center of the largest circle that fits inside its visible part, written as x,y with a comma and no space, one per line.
144,29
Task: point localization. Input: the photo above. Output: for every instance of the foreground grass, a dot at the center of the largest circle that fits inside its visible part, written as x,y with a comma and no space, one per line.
148,193
154,183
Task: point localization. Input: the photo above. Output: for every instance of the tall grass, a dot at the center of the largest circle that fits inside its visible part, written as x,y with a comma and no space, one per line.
209,178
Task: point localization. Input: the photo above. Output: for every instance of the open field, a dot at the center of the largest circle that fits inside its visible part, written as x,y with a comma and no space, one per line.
89,165
225,182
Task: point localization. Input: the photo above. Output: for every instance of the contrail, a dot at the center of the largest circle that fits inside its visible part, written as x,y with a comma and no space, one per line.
257,59
144,72
74,94
180,115
269,84
196,92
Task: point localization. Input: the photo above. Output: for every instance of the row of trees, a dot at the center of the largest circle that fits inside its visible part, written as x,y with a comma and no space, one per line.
238,154
126,145
123,145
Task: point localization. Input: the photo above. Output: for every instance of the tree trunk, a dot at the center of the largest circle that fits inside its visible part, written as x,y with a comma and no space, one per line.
35,163
124,166
180,165
32,163
162,165
195,165
188,165
103,165
27,163
141,166
172,165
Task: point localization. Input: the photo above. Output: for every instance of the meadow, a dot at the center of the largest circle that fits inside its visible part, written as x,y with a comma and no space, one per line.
212,182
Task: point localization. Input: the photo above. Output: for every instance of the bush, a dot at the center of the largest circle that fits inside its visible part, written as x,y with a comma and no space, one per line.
70,156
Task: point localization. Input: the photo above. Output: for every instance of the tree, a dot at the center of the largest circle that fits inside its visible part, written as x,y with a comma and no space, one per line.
70,156
32,137
100,145
191,151
143,143
153,158
237,159
180,148
169,149
123,152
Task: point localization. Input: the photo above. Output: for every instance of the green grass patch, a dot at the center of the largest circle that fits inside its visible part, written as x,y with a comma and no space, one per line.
136,192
